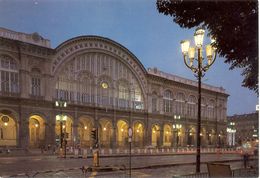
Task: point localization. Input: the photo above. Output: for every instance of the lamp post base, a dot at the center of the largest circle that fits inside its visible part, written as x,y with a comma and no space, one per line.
61,154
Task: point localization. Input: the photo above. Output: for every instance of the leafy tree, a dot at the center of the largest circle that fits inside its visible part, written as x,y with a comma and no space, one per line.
234,24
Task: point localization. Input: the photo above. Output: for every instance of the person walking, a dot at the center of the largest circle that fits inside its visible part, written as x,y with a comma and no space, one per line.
245,159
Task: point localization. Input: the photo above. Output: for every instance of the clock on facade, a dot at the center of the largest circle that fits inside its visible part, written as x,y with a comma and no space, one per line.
104,85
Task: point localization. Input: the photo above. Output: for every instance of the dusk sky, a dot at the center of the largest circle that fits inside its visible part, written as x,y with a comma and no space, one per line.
136,24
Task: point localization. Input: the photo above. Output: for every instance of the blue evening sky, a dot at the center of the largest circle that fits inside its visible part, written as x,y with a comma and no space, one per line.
136,24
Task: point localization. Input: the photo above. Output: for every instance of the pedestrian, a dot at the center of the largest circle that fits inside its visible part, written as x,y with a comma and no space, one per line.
54,149
245,159
42,149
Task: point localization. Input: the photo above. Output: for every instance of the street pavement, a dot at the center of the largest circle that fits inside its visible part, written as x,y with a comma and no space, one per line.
143,166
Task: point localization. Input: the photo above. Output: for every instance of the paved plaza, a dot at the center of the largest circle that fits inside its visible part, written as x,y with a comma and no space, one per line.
142,166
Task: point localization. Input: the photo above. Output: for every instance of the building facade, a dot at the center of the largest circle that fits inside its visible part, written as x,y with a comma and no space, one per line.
106,87
246,128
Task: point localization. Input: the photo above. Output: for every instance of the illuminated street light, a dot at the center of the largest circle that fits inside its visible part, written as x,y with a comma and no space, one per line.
61,104
199,67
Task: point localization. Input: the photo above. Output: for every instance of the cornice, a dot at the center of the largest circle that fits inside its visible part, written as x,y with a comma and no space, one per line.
25,48
181,85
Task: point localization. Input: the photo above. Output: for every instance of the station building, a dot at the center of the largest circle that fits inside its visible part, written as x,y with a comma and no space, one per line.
246,128
105,87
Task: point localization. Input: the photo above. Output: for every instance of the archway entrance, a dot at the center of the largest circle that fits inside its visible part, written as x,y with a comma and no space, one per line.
36,131
155,135
7,131
191,137
138,134
122,133
167,135
106,131
84,131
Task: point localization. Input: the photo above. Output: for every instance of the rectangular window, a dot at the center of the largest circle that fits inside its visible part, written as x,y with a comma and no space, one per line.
5,81
167,105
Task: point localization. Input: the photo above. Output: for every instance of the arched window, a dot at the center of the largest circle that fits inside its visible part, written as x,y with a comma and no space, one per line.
211,109
9,81
167,101
36,82
180,104
192,106
95,78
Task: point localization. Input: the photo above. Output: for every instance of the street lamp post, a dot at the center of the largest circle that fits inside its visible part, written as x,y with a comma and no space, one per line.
177,128
199,69
130,134
61,104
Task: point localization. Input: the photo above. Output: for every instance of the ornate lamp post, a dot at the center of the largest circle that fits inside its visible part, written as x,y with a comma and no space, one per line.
199,67
177,128
62,118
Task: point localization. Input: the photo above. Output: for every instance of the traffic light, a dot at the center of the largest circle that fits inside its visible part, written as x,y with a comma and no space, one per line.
94,134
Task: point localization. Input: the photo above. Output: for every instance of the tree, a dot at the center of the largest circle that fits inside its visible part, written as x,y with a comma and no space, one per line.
234,24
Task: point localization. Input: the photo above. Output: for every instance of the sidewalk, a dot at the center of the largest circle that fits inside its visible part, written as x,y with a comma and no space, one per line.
117,152
122,171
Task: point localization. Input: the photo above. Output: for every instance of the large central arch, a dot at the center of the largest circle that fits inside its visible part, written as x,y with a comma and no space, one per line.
99,63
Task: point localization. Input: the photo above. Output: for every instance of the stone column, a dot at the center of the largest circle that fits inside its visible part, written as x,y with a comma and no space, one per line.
185,140
50,132
50,135
114,127
145,133
23,130
148,136
75,134
161,137
114,133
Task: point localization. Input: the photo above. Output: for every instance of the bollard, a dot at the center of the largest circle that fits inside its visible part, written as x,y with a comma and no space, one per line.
95,158
85,153
102,151
76,153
